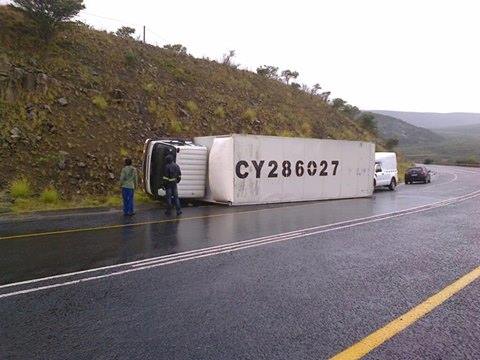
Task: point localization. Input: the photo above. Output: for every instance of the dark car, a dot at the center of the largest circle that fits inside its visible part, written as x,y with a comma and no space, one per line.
417,174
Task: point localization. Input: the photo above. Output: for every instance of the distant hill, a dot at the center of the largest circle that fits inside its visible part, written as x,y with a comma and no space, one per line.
471,131
407,134
433,120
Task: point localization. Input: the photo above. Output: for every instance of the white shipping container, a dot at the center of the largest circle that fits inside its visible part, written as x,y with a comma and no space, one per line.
250,169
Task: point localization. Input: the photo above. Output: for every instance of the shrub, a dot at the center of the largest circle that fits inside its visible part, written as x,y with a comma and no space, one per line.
390,144
249,114
125,32
123,152
286,133
288,75
367,121
49,14
268,71
49,196
428,161
113,200
176,48
306,129
142,198
100,102
176,126
471,160
191,106
20,189
220,112
130,58
149,88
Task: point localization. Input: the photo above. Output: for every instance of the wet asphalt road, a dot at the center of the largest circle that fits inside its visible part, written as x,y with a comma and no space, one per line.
306,297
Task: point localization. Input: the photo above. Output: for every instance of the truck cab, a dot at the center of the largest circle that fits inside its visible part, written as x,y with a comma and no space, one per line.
386,172
191,158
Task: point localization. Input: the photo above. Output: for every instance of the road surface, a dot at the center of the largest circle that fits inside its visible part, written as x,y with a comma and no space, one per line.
388,277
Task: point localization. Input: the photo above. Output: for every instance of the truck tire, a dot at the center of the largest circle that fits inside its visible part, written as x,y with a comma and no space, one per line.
393,184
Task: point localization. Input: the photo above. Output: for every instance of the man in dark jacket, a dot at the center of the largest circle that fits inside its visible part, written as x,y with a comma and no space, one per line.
172,177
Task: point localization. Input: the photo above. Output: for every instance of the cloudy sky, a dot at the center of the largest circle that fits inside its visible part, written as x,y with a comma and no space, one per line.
377,54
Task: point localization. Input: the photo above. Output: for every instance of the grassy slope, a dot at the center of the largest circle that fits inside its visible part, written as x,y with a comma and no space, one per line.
121,92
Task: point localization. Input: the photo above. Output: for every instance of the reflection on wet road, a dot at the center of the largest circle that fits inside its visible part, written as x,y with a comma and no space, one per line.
151,234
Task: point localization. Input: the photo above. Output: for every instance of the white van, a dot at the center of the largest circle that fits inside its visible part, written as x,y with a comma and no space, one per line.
386,173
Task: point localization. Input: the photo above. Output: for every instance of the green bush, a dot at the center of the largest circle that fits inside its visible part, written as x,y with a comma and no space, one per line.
220,112
149,88
123,152
130,58
49,196
100,102
20,189
249,114
286,133
306,129
113,200
176,126
191,106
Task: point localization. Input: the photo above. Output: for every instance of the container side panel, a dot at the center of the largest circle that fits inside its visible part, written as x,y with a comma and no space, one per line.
275,169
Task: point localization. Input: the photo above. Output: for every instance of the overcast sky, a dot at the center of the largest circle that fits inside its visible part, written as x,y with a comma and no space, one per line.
415,55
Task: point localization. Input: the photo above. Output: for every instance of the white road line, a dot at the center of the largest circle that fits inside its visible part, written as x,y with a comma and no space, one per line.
455,178
218,246
247,246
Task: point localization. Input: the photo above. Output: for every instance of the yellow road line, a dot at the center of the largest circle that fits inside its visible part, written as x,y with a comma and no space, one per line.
377,338
117,226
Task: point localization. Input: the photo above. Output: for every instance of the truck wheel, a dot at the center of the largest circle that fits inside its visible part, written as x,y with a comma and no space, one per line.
393,184
374,183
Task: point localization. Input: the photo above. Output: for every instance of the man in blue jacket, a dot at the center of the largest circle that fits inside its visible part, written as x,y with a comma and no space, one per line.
172,176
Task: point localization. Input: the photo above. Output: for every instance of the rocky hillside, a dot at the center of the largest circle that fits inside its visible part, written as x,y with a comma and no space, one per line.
70,110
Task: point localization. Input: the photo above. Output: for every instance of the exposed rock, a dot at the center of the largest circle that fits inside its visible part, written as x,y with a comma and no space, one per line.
31,115
118,94
15,133
62,101
184,112
111,176
51,127
81,165
62,162
4,65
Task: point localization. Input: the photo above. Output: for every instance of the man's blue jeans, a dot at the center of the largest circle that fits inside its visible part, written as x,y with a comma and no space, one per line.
172,197
127,195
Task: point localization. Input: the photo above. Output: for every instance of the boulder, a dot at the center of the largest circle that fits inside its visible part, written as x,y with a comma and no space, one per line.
62,101
15,133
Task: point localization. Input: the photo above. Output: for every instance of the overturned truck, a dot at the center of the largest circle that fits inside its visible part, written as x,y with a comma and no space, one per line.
249,169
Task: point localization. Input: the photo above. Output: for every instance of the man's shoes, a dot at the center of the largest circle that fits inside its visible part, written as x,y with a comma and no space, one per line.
179,213
168,213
